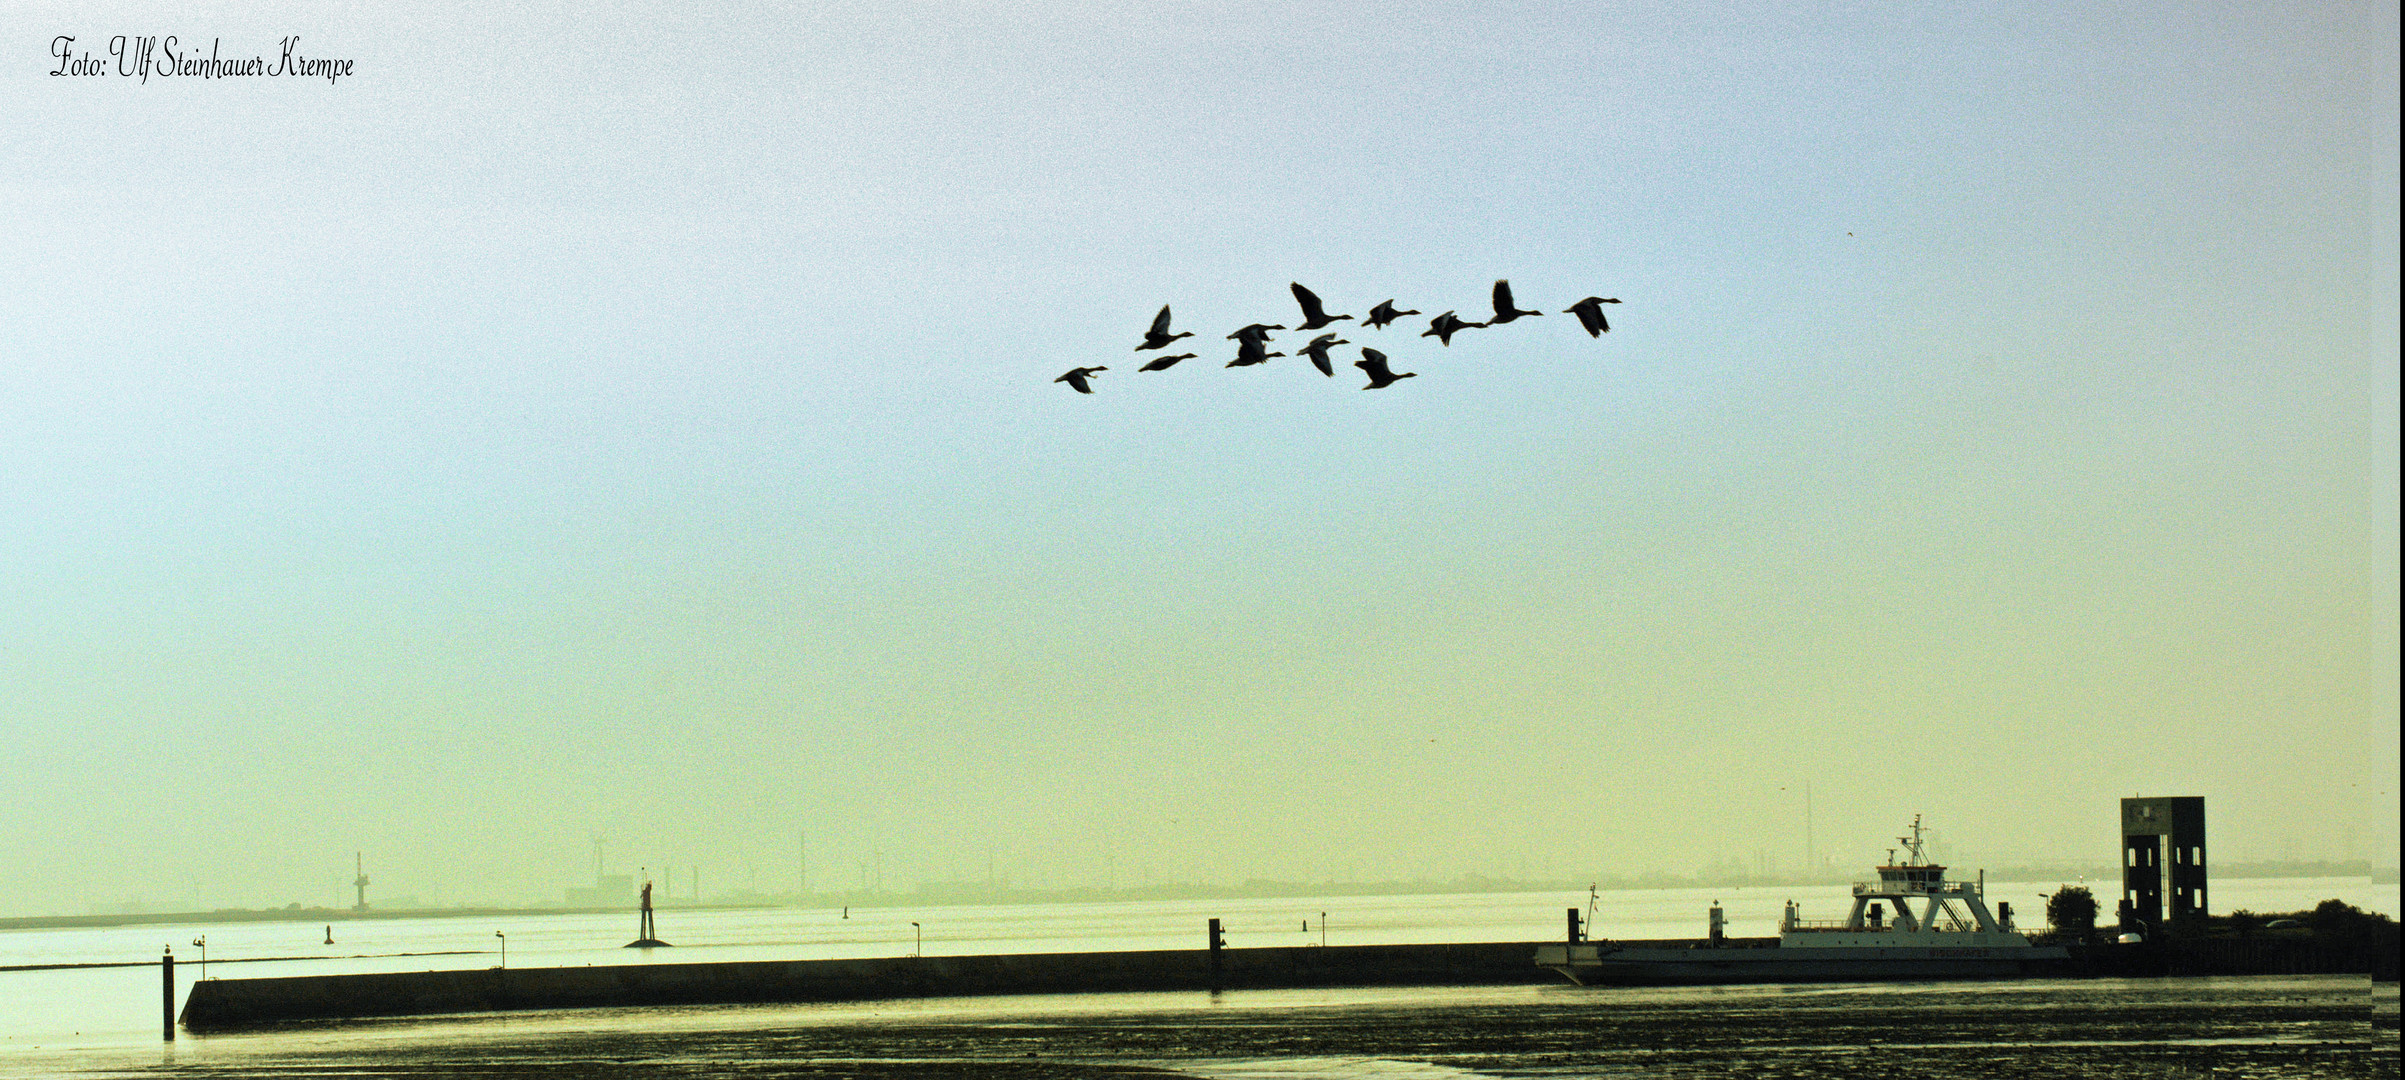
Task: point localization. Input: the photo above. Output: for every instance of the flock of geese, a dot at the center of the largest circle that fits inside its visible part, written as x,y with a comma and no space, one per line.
1252,342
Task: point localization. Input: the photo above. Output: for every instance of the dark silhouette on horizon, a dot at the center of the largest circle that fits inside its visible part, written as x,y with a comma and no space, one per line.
1373,363
648,937
1159,336
1076,378
1590,315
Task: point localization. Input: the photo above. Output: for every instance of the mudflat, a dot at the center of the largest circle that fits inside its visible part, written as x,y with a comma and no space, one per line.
2263,1026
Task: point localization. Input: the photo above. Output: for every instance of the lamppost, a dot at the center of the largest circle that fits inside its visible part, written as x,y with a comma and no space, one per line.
919,948
202,942
504,949
1323,929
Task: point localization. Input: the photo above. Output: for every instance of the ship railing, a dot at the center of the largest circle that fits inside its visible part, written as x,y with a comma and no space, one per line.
1817,924
1893,888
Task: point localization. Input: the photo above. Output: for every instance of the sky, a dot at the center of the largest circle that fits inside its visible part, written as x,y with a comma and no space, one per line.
636,421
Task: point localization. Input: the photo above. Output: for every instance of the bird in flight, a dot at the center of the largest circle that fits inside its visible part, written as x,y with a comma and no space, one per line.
1385,313
1318,352
1166,362
1373,363
1314,316
1159,336
1444,326
1252,351
1504,310
1076,378
1254,332
1590,315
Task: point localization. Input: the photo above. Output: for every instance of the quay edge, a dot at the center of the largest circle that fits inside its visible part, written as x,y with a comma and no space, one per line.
232,1004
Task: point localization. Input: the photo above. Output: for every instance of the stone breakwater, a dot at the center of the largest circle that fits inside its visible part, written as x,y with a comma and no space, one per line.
230,1004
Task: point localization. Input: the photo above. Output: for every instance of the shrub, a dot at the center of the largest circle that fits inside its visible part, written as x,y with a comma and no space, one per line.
2072,910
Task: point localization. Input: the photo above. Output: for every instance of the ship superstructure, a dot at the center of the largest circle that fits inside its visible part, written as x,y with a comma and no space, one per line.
1949,913
1911,923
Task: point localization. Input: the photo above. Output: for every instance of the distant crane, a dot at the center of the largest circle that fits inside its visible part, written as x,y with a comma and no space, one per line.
359,880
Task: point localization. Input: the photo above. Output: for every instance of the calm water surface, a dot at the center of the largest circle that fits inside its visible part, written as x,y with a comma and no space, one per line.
103,1021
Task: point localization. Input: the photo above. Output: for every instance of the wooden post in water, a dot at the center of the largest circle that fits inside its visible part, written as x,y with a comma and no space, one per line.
1218,982
167,994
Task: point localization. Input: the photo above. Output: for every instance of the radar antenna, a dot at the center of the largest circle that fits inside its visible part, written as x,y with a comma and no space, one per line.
1912,844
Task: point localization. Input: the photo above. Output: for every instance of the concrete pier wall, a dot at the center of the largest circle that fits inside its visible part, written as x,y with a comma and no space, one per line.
227,1004
223,1004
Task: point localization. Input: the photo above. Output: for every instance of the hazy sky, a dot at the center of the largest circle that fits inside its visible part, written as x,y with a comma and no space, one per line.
637,421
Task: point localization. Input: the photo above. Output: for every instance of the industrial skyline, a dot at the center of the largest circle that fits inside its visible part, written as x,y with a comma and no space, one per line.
942,880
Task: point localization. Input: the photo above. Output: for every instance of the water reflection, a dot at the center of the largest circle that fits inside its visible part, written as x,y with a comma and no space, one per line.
82,1009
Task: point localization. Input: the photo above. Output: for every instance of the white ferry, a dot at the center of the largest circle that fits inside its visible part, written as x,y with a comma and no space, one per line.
1912,923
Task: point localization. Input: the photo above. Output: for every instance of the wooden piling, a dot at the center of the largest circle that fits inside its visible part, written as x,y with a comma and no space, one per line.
1218,942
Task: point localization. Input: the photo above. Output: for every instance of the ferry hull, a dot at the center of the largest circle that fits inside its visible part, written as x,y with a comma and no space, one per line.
1590,966
1911,924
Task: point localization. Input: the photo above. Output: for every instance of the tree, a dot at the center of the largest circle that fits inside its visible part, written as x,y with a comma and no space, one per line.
2072,910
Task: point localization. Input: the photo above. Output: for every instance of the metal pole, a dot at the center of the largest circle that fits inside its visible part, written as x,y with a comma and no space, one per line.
167,994
1218,982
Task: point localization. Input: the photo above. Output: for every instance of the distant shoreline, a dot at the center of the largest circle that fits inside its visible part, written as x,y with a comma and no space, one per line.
302,915
236,960
965,895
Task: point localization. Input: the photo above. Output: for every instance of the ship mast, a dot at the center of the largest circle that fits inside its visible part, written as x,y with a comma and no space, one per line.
1912,845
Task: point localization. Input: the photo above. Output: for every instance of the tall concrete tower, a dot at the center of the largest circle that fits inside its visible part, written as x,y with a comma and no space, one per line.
2162,857
359,881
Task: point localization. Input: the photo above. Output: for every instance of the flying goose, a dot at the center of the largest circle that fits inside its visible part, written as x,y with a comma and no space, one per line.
1444,326
1590,315
1166,362
1318,352
1504,311
1076,378
1385,313
1159,336
1314,316
1373,363
1252,351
